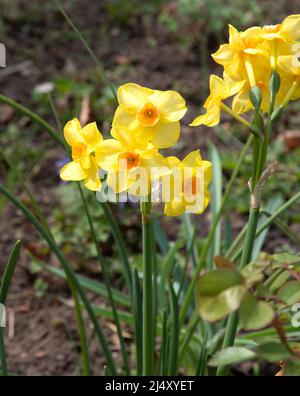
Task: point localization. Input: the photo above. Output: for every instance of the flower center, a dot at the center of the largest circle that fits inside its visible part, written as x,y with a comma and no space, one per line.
272,28
78,152
191,186
148,115
129,160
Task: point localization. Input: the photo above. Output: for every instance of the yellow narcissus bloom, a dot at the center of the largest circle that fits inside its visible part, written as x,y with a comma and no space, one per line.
83,142
186,188
150,115
287,31
129,163
289,65
219,90
238,54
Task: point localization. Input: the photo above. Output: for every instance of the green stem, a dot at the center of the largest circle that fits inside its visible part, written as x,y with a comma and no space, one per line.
232,323
148,356
4,371
206,246
271,219
69,273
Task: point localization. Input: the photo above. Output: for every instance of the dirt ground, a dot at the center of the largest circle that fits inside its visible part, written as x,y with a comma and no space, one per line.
41,334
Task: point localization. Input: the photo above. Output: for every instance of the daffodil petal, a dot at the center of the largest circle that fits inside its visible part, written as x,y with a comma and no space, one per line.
73,171
131,96
165,135
72,132
122,118
170,104
107,154
241,102
119,181
174,209
92,181
91,134
193,159
291,28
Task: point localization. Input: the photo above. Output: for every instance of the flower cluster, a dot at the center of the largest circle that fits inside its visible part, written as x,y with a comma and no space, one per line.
145,121
248,59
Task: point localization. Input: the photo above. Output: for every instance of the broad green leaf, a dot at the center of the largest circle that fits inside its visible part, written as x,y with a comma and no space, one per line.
290,292
255,314
223,262
231,355
292,368
214,282
219,292
273,351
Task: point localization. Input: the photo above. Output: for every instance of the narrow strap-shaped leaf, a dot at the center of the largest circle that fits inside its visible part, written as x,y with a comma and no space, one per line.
106,282
5,283
188,334
174,332
69,272
201,365
119,242
90,284
216,193
34,117
162,361
138,319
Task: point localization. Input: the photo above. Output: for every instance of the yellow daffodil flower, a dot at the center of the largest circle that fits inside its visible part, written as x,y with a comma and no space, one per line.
238,55
150,115
287,31
128,162
186,188
219,90
290,66
83,142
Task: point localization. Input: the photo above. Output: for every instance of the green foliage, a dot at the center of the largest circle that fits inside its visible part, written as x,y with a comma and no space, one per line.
262,290
71,228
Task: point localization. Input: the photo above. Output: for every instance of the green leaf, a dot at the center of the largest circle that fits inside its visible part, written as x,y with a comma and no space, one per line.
231,355
290,292
219,293
272,205
92,285
280,259
216,193
214,282
255,314
292,368
279,281
273,352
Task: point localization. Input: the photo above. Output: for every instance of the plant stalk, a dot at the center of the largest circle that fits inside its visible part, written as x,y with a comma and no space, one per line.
148,355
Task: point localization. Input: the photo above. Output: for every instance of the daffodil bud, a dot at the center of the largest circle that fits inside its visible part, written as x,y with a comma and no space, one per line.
274,83
256,97
277,114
